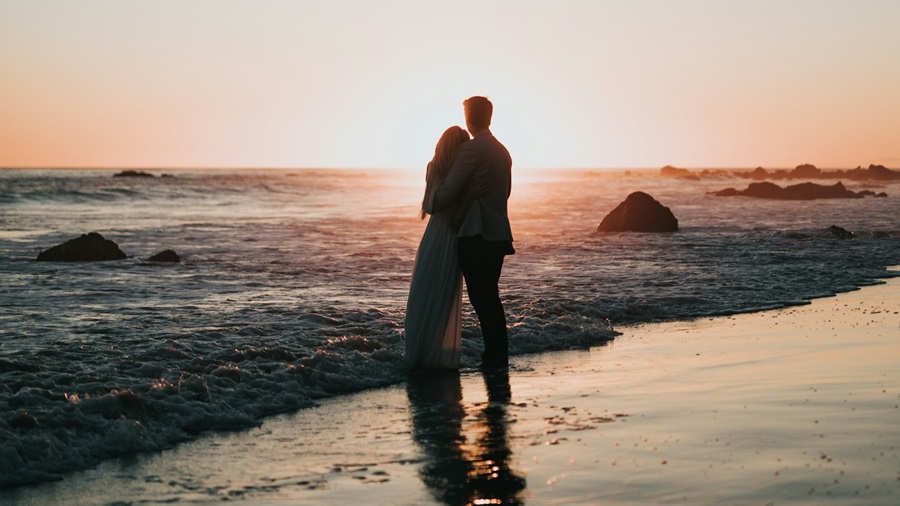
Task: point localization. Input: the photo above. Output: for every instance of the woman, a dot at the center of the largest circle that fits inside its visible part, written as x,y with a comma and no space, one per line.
433,315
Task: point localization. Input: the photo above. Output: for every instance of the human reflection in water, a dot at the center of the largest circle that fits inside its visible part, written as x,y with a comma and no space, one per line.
466,457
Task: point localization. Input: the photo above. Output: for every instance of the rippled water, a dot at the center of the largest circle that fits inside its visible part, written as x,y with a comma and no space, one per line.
294,284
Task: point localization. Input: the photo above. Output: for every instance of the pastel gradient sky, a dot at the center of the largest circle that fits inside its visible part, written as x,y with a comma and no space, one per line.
341,83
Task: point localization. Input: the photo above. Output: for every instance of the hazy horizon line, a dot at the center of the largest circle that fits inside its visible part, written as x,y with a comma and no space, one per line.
248,167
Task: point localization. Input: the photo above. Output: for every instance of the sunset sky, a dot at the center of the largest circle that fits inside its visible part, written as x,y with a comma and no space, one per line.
339,83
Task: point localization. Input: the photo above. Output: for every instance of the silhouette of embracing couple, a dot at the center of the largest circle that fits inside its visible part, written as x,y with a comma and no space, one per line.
467,185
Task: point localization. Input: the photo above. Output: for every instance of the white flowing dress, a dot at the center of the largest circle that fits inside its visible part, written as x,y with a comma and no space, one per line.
433,310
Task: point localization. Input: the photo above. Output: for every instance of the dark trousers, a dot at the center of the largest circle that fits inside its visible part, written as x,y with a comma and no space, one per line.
481,262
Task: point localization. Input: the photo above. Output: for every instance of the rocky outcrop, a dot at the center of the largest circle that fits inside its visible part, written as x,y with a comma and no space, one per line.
166,256
759,174
809,171
870,193
639,213
90,247
802,191
806,171
881,172
874,172
133,173
669,171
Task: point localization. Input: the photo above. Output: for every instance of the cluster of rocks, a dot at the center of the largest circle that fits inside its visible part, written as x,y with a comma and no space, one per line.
809,171
640,212
804,171
802,191
93,247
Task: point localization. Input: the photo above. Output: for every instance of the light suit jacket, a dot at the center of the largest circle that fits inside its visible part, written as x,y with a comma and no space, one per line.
485,157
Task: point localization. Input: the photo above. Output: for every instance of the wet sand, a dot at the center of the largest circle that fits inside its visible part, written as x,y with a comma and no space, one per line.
794,406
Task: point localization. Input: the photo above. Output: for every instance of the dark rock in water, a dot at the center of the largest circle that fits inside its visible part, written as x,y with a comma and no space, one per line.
165,256
870,193
133,173
669,171
727,192
802,191
805,171
759,173
8,366
90,247
840,233
811,191
639,213
23,420
881,172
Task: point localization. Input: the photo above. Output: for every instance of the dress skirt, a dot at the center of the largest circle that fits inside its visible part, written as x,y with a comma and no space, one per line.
433,314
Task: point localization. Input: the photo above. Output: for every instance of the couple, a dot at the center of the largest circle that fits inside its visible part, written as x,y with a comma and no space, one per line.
467,185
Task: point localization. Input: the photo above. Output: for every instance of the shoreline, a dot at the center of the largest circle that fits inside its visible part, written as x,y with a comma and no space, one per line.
790,405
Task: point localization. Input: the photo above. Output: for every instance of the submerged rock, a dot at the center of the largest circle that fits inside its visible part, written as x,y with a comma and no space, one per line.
840,233
802,191
165,256
23,420
90,247
639,213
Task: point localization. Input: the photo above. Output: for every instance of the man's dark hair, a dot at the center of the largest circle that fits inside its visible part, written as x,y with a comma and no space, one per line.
478,112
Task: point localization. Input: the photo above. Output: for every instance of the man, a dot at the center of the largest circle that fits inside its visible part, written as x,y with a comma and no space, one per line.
484,235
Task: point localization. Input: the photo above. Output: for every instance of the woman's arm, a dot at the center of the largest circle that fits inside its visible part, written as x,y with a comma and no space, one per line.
428,199
461,172
478,188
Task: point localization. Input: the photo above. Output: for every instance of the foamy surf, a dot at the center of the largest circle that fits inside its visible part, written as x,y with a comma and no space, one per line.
293,287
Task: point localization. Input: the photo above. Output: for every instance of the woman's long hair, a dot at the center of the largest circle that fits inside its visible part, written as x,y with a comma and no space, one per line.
444,154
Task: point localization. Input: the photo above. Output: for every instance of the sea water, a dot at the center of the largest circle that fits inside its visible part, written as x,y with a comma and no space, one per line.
293,287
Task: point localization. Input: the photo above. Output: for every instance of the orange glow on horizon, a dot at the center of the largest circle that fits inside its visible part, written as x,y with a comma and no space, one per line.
585,84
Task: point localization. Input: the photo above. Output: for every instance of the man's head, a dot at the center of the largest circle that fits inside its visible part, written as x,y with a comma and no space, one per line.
478,113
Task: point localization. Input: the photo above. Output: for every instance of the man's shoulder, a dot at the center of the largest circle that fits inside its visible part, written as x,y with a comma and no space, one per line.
495,147
487,142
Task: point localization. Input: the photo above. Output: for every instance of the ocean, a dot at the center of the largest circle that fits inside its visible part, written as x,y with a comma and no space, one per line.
293,288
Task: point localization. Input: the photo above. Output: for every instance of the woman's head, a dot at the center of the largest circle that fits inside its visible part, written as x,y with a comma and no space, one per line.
444,155
447,147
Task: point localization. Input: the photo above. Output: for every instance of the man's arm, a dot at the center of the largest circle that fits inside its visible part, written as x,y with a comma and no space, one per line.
460,173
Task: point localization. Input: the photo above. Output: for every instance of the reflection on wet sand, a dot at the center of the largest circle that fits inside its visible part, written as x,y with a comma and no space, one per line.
467,455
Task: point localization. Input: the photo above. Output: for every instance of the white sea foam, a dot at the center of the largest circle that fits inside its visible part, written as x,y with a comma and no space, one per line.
294,283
